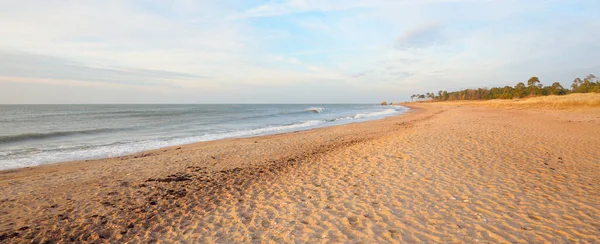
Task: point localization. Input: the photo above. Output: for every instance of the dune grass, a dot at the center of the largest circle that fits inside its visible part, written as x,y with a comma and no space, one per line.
575,100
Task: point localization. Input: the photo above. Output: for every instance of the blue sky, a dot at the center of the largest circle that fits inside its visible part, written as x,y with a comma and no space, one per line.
286,51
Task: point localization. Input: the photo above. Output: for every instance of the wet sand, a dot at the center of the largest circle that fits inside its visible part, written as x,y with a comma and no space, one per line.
442,173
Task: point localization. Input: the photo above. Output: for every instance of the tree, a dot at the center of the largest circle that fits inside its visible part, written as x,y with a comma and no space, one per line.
588,84
430,95
507,93
533,86
519,90
594,83
546,90
557,89
591,78
533,81
576,84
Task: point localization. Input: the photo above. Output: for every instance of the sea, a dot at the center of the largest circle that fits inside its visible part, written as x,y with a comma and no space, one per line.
40,134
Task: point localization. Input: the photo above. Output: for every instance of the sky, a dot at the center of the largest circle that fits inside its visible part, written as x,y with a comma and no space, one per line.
298,51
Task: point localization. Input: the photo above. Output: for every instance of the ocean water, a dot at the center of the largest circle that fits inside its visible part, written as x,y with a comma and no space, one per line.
40,134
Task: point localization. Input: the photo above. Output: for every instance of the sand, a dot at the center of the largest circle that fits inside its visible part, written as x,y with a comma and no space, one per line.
440,174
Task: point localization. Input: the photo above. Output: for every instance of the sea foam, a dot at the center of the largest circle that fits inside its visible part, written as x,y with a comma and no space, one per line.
375,114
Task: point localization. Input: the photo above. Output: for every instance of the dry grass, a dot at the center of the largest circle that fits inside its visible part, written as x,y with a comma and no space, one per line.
577,100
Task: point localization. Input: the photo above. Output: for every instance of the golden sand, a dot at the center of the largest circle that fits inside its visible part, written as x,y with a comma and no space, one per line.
441,174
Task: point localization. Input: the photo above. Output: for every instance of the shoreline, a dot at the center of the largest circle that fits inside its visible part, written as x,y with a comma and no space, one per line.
411,109
141,149
440,173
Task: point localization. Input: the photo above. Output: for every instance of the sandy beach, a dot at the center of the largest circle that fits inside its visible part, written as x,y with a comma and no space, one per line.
443,173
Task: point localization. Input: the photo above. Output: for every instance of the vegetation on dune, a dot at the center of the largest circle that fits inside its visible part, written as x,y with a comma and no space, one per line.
533,87
573,100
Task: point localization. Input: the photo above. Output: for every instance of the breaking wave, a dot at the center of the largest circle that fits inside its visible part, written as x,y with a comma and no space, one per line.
315,110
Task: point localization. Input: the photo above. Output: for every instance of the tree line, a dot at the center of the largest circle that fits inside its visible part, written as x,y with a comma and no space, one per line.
534,87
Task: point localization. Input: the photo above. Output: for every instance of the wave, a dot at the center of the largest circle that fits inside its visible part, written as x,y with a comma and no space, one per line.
312,110
285,113
147,113
268,130
39,136
375,114
315,109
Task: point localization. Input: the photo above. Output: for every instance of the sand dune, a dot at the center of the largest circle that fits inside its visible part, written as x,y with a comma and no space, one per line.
441,174
571,101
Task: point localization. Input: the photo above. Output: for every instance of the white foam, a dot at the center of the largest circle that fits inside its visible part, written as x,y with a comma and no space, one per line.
125,148
375,114
344,118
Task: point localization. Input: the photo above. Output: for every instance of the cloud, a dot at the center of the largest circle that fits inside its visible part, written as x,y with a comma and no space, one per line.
400,74
313,24
21,64
420,37
360,74
121,33
397,61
